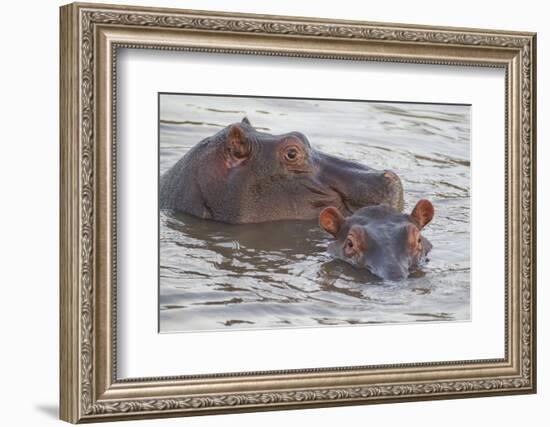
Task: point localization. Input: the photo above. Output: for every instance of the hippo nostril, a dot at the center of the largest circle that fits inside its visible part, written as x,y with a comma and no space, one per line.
396,275
394,187
391,176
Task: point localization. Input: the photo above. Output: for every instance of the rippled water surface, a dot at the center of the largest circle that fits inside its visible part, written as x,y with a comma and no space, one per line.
272,275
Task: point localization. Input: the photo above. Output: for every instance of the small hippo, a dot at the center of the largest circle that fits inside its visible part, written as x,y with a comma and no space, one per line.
241,175
388,243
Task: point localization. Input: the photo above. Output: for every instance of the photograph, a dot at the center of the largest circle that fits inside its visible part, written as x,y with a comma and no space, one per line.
261,211
299,212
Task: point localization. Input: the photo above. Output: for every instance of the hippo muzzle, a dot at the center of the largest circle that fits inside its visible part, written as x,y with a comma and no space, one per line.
358,185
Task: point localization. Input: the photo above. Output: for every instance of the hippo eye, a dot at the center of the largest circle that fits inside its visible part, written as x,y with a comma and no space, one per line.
291,154
349,244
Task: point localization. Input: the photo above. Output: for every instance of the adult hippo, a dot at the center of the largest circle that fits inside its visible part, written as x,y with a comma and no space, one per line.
241,175
388,243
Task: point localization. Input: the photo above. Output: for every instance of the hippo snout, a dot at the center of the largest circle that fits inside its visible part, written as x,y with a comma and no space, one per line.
394,189
392,272
375,188
391,176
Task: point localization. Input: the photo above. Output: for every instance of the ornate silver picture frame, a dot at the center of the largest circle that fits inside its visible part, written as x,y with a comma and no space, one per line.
91,37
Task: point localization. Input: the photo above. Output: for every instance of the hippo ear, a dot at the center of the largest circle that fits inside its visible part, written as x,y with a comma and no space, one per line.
238,146
331,220
423,213
245,121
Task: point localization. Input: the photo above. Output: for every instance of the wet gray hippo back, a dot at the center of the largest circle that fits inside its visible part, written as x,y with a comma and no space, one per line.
240,175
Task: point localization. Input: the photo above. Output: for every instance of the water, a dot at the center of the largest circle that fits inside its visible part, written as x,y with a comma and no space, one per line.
217,276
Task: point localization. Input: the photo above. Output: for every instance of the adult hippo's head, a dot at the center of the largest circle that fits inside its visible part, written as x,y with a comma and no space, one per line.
388,243
241,175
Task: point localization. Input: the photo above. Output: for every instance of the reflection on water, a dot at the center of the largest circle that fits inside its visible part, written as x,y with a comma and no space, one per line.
220,276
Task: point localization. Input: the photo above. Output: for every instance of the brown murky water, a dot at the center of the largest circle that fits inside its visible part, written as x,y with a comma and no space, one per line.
272,275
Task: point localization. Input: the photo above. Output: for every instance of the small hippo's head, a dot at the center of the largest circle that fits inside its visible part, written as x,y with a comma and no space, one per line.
242,175
388,243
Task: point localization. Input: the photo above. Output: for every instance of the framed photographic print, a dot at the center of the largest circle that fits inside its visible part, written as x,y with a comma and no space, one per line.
267,212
